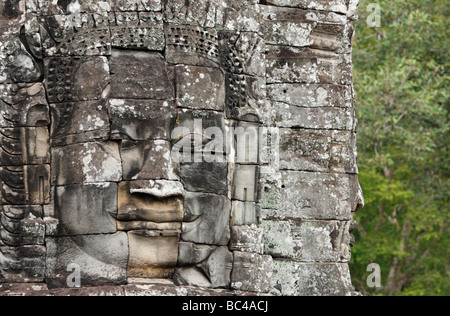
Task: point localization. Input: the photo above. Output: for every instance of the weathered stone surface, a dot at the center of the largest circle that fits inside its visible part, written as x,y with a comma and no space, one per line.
85,35
205,177
306,28
212,272
86,209
102,259
21,225
78,122
311,95
248,138
308,195
137,30
86,163
120,76
247,239
318,150
206,219
339,6
244,213
149,226
245,97
23,105
24,146
314,118
136,5
76,78
308,241
243,53
21,289
25,185
192,45
148,160
152,256
200,88
16,64
140,75
22,264
252,272
139,201
141,119
308,66
191,254
319,279
198,129
245,183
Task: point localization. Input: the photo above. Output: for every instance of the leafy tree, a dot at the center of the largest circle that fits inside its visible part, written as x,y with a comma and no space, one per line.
402,85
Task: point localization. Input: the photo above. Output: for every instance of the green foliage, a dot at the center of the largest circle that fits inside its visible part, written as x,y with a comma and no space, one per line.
402,87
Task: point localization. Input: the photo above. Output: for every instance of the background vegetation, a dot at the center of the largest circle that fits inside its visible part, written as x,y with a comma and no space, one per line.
402,86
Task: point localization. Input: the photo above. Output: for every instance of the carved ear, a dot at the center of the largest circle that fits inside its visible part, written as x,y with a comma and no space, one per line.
38,115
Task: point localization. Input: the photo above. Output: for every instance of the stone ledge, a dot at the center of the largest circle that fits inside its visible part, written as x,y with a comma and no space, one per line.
153,288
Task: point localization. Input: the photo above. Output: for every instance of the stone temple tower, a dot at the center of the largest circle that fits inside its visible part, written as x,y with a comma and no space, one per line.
177,147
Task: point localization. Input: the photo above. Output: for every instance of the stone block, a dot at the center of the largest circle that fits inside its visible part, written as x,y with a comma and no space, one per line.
199,129
339,6
192,45
213,271
310,196
307,66
23,105
308,241
24,146
319,279
20,232
152,256
245,183
244,213
25,185
86,163
150,201
86,209
243,53
17,65
246,97
252,272
206,219
101,259
24,264
200,88
136,5
137,30
318,150
148,160
205,177
86,35
78,122
313,118
73,79
141,120
247,239
311,95
140,75
191,254
248,138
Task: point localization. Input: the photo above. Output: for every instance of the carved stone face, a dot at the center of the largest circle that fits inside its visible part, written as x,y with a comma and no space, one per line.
117,205
94,97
